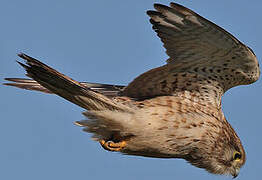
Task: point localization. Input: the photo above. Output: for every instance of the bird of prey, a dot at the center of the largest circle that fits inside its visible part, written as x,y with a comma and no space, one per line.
173,111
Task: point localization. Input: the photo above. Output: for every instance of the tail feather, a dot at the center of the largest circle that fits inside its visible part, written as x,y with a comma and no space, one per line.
30,84
49,80
105,89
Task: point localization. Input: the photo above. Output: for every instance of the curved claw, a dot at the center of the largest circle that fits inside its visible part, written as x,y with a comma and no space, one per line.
112,146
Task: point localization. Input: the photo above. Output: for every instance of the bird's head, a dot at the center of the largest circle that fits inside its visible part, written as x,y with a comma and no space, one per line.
229,162
225,156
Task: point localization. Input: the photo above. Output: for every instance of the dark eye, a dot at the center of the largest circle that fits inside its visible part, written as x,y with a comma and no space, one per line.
237,155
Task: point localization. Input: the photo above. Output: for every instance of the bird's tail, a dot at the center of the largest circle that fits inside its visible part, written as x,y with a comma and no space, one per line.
108,90
48,80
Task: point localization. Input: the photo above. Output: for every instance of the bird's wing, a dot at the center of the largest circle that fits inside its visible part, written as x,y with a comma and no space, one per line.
205,60
51,80
30,84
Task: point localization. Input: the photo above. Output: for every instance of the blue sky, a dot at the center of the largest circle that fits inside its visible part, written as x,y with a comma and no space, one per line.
107,42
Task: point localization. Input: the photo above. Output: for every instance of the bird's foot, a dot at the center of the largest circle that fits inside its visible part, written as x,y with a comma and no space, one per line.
113,146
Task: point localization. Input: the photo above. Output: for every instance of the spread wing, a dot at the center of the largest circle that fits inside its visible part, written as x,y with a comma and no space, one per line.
205,60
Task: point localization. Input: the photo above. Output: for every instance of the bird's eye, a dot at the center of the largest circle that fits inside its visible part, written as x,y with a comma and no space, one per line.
237,156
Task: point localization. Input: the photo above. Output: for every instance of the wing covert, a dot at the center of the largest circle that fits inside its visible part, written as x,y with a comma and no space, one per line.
205,60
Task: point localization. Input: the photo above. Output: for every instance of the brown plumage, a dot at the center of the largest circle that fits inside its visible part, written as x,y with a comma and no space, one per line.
173,111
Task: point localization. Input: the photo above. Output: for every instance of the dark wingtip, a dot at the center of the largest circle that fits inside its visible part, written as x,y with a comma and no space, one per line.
8,84
18,80
157,5
181,8
24,56
23,65
150,12
21,55
8,79
153,13
173,4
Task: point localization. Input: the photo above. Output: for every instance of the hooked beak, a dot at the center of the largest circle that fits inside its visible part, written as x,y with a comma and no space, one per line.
235,174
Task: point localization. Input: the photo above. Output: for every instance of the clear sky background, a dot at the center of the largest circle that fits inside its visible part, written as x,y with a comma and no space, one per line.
108,42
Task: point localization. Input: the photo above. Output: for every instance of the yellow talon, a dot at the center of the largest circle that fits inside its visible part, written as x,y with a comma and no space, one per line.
112,146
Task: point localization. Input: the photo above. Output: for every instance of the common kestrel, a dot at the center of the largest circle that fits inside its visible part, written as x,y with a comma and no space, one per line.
173,111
